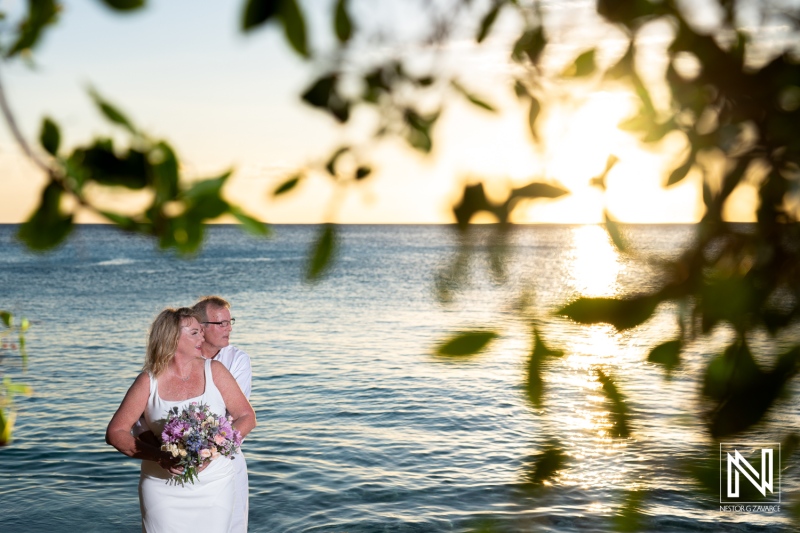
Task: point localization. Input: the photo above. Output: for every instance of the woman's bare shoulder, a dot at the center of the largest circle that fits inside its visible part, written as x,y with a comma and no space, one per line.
141,381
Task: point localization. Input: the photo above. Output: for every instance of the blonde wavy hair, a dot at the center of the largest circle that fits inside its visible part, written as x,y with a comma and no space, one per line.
163,339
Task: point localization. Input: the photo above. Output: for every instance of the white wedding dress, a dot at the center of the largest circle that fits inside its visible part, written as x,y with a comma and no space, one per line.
168,507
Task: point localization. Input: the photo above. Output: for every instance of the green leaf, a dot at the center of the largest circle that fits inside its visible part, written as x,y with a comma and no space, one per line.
466,343
18,388
40,14
22,351
164,168
375,85
330,166
472,98
742,390
548,463
733,370
206,188
647,107
631,517
419,132
531,44
473,201
50,137
521,91
294,26
343,26
614,231
731,298
323,94
623,67
628,12
533,114
48,226
287,185
583,66
538,190
534,386
186,231
682,171
666,354
656,132
6,426
124,222
362,172
204,201
124,5
100,163
600,180
256,227
622,313
488,21
110,112
636,123
619,410
6,317
322,253
258,12
320,91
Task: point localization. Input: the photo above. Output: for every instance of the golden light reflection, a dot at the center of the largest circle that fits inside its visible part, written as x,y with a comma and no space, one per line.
599,508
585,416
595,263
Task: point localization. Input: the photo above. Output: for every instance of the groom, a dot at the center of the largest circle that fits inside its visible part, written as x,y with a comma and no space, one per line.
217,327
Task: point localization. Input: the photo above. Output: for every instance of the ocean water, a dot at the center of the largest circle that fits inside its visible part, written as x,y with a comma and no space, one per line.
361,428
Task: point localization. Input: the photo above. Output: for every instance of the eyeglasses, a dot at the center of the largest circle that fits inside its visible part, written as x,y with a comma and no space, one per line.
224,323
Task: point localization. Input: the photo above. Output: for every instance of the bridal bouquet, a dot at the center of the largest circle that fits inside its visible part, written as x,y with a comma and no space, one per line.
197,435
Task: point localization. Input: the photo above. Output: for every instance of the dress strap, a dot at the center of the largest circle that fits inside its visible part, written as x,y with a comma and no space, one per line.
209,377
153,382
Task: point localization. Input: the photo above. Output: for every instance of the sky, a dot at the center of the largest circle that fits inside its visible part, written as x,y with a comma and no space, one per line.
181,70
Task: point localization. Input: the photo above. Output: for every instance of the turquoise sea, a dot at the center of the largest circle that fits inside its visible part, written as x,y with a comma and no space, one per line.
361,428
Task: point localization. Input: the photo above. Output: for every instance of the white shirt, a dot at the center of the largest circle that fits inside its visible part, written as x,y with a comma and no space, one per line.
238,362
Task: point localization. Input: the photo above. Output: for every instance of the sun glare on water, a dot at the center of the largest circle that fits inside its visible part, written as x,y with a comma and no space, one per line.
595,262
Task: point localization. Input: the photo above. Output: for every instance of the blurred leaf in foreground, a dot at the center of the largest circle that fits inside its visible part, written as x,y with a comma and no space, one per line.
534,385
623,313
544,465
666,354
466,343
48,226
630,516
619,410
322,253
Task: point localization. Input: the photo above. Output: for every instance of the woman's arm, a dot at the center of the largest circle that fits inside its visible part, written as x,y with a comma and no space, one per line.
244,418
118,433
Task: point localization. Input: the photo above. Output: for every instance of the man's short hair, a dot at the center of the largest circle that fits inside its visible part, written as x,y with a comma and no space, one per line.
201,307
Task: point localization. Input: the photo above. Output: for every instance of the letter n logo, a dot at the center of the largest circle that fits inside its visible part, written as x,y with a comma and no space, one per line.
761,477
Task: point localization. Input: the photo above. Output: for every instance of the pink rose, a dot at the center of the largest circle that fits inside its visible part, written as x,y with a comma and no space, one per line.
205,453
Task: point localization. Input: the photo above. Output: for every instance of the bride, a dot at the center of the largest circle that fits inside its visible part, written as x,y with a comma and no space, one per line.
176,374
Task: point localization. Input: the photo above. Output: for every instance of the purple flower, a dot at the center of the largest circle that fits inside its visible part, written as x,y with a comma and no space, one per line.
174,430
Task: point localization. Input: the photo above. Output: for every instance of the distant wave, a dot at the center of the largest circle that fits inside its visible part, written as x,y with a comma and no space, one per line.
116,262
